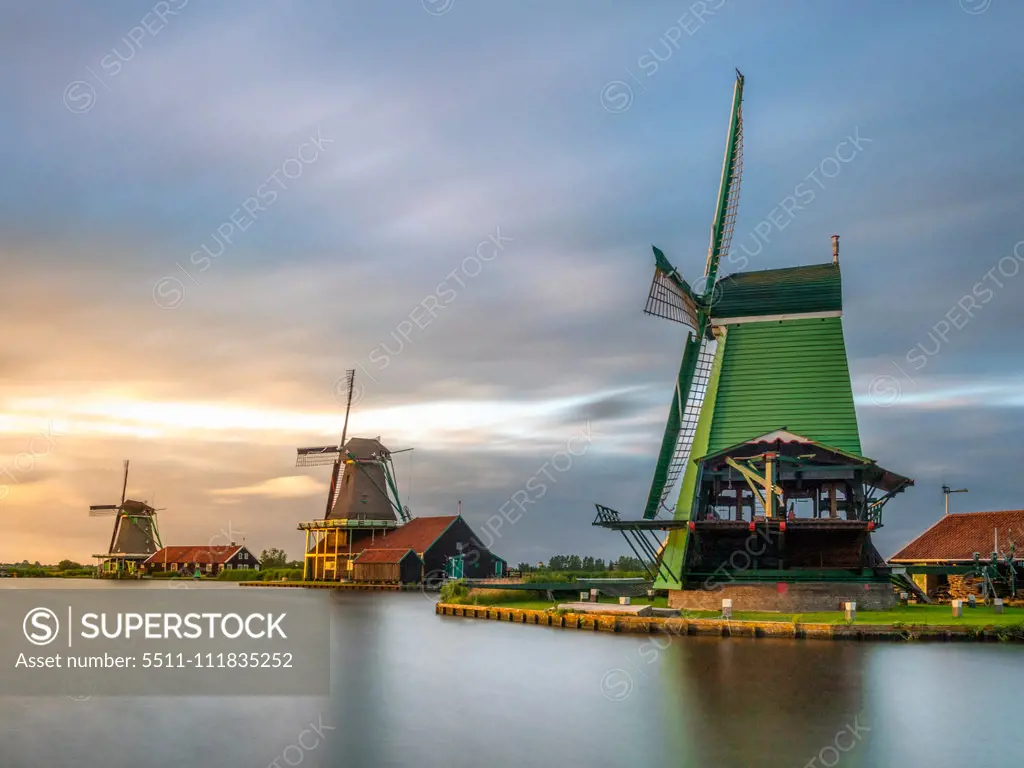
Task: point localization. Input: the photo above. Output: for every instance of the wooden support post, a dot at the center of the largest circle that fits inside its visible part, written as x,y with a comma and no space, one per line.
321,555
305,559
832,500
769,486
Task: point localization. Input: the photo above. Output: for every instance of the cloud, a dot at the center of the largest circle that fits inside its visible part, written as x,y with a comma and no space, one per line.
443,130
291,487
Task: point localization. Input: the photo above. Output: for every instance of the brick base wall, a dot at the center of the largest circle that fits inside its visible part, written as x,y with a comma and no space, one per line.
786,598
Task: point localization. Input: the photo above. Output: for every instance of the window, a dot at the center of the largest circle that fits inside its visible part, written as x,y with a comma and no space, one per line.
228,566
174,566
209,567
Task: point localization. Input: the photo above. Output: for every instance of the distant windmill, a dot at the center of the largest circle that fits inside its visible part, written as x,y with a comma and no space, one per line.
366,489
135,529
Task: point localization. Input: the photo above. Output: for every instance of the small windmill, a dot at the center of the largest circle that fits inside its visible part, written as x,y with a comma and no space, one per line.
366,488
135,530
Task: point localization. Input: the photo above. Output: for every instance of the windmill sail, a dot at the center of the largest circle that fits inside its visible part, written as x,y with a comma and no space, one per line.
671,297
677,445
728,193
699,355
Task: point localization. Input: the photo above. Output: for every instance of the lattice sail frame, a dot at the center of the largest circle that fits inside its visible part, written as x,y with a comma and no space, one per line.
669,302
731,210
318,456
688,420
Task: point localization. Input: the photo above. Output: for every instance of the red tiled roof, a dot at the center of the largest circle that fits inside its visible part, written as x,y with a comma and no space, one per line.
384,555
958,536
217,555
418,534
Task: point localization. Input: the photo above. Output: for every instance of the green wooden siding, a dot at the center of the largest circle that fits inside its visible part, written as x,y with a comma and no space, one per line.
793,290
791,374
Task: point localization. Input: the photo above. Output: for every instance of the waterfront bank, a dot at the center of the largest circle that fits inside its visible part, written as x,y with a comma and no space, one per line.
1010,630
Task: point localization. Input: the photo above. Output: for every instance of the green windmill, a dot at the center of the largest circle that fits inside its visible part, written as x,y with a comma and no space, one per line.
761,442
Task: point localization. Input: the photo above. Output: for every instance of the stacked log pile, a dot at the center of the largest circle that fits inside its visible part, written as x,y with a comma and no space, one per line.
962,587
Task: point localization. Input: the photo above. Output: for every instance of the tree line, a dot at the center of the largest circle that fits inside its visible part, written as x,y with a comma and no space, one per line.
588,564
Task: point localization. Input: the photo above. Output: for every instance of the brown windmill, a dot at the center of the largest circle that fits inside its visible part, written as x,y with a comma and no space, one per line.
362,500
135,535
363,483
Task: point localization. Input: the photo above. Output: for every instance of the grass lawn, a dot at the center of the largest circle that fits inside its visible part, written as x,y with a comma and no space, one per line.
906,615
920,615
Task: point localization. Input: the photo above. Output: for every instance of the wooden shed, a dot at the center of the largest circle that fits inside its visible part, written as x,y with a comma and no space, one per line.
388,566
447,545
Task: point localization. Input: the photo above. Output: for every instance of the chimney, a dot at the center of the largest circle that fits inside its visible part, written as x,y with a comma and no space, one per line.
835,249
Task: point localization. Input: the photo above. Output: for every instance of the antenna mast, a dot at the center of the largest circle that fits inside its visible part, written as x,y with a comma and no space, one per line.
946,490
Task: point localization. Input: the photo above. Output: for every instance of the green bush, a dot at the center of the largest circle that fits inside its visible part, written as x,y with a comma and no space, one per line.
28,572
499,596
82,572
455,592
271,574
277,574
240,576
544,576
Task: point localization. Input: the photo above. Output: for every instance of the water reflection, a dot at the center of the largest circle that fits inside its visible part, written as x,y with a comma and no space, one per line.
411,688
769,702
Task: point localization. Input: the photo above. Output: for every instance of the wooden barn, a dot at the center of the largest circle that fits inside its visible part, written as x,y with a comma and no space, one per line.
953,541
445,545
208,560
402,566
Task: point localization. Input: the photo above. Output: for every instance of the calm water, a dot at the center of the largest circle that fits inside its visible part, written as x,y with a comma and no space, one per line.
411,688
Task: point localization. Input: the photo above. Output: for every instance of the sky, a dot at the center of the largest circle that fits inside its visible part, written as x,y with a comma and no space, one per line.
209,212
